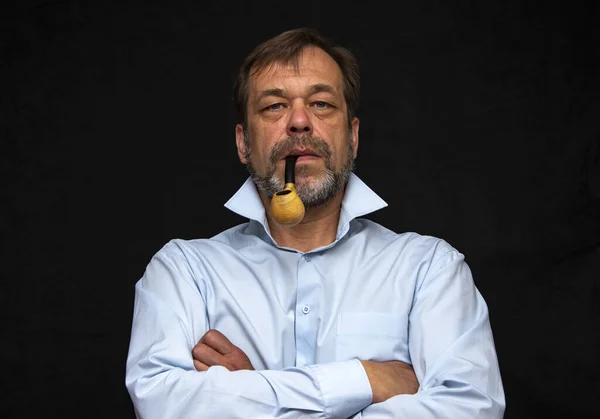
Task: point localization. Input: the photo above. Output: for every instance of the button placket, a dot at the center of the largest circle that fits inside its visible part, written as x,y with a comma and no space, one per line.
307,319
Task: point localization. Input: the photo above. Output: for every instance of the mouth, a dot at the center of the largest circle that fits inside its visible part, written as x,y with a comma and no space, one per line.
303,154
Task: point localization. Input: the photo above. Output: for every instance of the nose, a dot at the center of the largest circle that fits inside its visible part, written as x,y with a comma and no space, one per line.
299,122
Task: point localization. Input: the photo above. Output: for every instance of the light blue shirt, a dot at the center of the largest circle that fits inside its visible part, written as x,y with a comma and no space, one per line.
306,319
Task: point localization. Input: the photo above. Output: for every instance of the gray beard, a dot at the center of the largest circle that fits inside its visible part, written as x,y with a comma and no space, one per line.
315,193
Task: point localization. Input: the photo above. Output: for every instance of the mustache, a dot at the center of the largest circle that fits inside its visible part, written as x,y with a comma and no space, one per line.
284,147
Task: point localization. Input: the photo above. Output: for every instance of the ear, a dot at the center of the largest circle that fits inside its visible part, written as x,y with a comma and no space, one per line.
240,143
355,124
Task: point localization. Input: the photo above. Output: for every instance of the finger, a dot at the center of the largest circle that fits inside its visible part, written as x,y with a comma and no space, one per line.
200,366
207,355
217,340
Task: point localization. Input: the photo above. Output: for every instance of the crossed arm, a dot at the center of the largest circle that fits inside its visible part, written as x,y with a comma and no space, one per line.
387,379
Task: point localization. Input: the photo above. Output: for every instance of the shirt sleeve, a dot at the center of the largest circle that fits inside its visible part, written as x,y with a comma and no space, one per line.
451,348
169,310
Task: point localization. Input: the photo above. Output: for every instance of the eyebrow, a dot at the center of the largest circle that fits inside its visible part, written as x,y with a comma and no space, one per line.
270,92
315,88
322,88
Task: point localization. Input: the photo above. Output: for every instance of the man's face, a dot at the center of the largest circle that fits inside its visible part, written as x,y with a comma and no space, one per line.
303,113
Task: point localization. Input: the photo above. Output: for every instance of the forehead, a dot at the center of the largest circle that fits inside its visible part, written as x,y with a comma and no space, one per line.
314,66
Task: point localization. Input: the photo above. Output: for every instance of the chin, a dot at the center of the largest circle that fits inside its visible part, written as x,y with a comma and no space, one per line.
306,180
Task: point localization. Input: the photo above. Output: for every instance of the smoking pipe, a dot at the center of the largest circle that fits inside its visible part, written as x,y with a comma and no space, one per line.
287,208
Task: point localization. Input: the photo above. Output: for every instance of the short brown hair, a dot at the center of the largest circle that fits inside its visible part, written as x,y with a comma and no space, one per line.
285,48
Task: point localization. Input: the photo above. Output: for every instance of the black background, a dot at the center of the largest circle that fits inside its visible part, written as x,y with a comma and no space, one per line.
479,125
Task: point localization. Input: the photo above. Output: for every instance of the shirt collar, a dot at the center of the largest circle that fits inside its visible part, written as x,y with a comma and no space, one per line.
358,200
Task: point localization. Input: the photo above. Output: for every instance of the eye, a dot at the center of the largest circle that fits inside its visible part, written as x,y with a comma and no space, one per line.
321,105
274,107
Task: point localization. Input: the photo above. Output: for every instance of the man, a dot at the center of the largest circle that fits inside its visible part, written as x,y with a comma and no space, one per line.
335,317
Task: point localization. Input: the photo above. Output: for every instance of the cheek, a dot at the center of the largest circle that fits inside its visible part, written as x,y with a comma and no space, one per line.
260,155
342,158
342,150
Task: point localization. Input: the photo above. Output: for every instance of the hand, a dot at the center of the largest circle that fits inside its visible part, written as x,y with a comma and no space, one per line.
215,349
388,379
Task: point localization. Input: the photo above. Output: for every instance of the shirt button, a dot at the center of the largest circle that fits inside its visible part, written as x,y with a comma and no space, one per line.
308,257
306,309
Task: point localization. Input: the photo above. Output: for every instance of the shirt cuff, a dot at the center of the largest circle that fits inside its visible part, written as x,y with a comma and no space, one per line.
345,387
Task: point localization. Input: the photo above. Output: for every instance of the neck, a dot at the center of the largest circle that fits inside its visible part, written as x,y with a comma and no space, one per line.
317,229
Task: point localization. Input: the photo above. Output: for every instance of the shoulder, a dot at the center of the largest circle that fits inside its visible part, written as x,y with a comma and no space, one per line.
426,255
412,244
180,250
